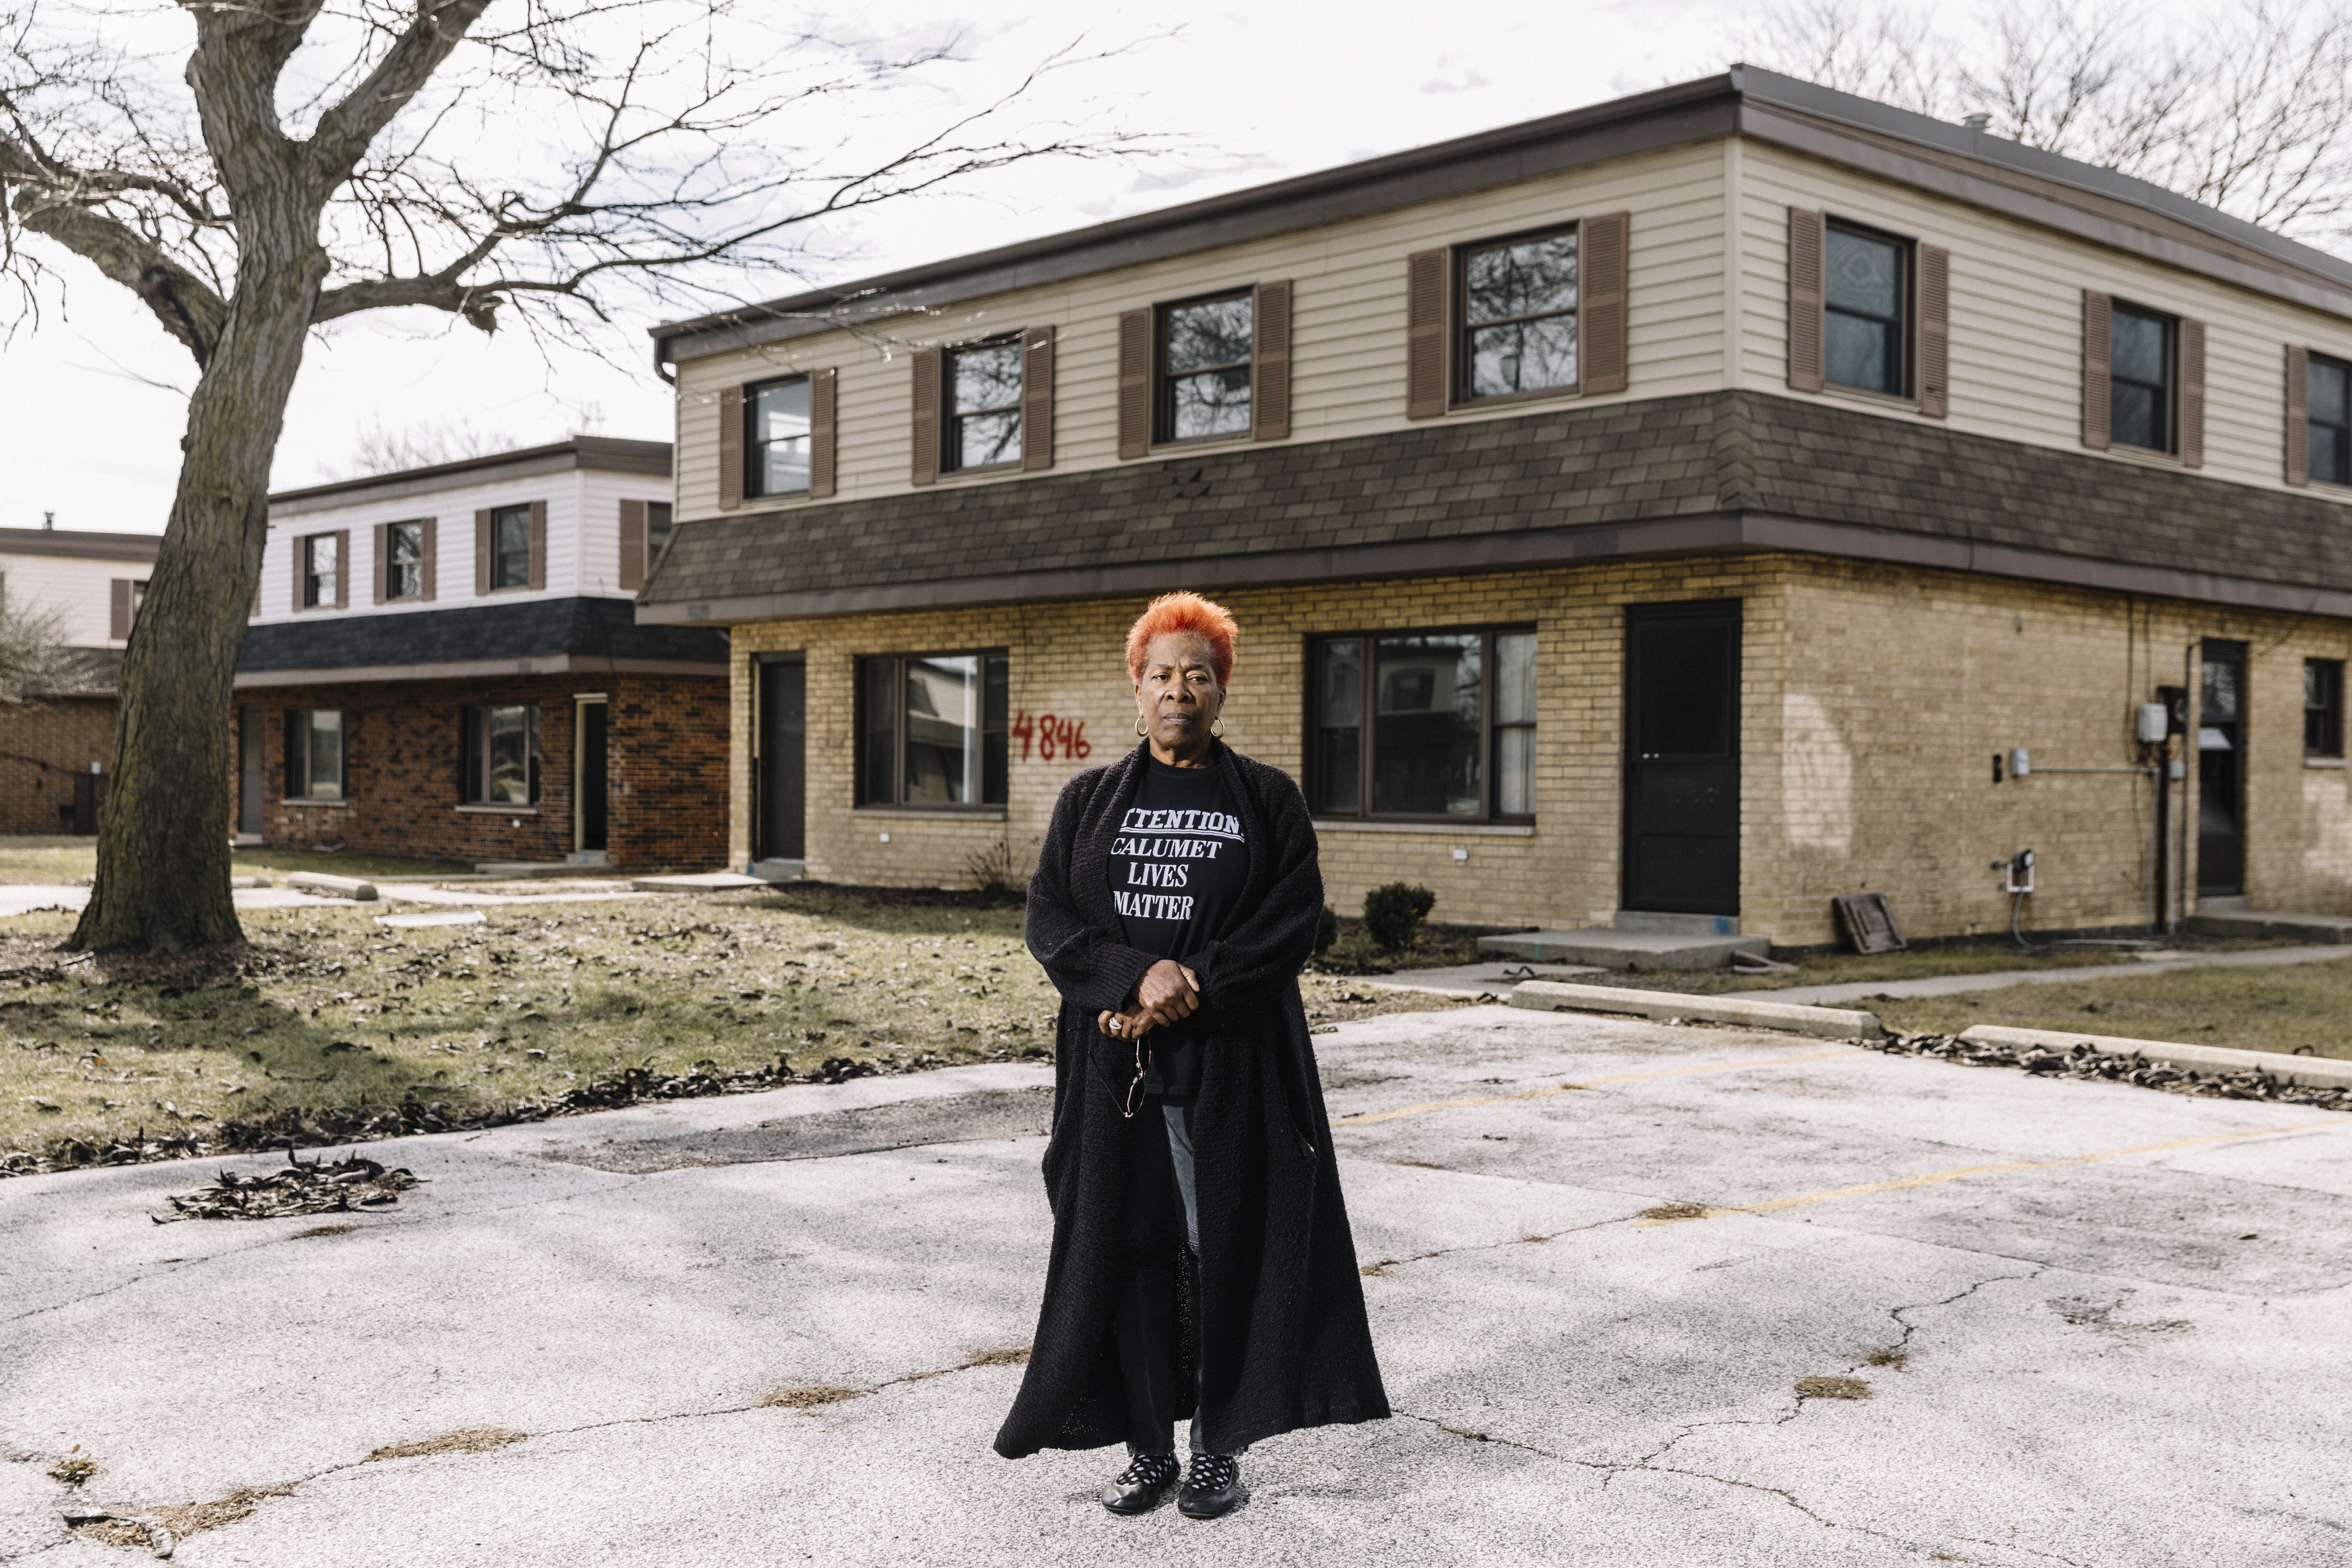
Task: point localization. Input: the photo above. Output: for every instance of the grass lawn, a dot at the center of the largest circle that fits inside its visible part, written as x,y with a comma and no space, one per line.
330,1009
62,859
2292,1007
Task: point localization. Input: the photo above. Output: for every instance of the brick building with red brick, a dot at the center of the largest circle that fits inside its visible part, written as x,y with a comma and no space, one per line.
445,663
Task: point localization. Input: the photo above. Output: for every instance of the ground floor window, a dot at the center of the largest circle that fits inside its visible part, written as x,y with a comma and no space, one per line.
1424,723
931,730
2322,708
314,753
501,754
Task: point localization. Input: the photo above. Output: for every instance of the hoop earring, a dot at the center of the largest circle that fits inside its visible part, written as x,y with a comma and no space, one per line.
1217,726
1140,732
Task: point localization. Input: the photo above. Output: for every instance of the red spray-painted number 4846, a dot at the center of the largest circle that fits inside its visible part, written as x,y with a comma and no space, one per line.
1053,737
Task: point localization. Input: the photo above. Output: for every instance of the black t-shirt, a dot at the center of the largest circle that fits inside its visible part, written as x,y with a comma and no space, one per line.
1176,868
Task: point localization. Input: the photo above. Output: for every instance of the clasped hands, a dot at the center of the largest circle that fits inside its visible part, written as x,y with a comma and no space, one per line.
1167,992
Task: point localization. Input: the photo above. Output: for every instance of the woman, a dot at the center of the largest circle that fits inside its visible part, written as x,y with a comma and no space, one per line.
1201,1263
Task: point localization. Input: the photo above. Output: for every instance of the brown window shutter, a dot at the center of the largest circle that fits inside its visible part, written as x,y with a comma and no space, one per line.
302,569
382,571
823,384
730,447
1270,362
342,568
427,528
2298,415
929,366
481,554
118,627
1807,239
2193,393
1424,333
1935,330
538,578
1601,265
2098,331
632,544
1134,382
1037,398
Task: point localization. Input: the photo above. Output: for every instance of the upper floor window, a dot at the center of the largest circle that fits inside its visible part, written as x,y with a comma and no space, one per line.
1409,724
657,531
1518,316
2331,421
404,567
931,730
500,755
510,547
1865,301
314,753
984,406
2140,407
777,449
1204,368
321,570
138,598
2322,708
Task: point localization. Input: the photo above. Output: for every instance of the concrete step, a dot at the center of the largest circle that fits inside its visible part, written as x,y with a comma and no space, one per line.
699,883
778,870
2266,925
1675,924
1612,949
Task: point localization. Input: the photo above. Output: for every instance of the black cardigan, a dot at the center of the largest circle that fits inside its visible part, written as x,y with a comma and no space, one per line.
1278,1305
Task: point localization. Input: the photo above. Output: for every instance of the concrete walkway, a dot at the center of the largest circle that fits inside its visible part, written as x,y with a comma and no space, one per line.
2161,962
23,898
2092,1324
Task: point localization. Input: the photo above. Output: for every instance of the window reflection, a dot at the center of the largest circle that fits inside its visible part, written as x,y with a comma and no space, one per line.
1205,367
778,414
943,729
1518,316
1864,296
984,386
1425,730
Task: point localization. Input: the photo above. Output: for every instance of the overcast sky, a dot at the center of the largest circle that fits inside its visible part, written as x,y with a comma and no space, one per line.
90,419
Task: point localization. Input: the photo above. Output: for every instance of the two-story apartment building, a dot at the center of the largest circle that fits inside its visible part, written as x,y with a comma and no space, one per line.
82,587
1689,505
443,662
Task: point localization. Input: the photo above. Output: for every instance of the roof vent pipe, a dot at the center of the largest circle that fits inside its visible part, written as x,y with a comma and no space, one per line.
1980,120
49,521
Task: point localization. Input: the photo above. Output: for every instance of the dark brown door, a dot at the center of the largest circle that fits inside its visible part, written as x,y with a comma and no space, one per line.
595,797
251,781
2222,772
782,786
1682,757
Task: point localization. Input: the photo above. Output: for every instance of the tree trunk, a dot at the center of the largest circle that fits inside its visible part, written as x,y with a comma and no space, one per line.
163,835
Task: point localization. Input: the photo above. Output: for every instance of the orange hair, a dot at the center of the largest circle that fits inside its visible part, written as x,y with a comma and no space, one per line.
1210,622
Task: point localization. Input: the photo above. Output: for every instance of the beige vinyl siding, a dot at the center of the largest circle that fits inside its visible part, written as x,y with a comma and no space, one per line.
2017,317
1348,333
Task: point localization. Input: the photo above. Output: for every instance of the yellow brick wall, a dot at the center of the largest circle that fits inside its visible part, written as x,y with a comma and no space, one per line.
1873,700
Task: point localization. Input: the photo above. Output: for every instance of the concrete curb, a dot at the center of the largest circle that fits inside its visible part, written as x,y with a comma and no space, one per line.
2319,1072
1829,1023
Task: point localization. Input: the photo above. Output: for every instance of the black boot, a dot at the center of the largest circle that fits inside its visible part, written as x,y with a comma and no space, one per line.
1213,1487
1142,1486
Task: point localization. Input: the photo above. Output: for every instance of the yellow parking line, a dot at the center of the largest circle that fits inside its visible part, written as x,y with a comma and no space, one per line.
1772,1205
1371,1116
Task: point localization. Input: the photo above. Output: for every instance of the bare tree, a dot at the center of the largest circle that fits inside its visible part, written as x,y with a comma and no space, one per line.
2249,110
35,661
555,161
378,450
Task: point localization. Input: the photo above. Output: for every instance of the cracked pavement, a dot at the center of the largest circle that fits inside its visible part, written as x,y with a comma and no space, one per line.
2115,1342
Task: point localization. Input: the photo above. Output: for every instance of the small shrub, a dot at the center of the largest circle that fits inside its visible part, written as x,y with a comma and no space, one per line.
1394,912
1326,930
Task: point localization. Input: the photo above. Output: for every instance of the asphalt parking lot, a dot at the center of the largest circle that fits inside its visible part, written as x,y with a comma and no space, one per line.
1731,1299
